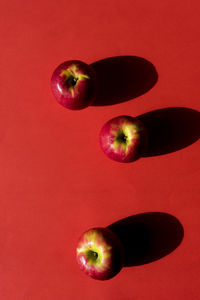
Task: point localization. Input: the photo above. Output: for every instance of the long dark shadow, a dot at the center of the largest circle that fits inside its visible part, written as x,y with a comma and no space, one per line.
122,78
171,129
148,237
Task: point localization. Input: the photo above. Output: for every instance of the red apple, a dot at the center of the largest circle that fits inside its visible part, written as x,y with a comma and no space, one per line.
123,139
100,253
73,84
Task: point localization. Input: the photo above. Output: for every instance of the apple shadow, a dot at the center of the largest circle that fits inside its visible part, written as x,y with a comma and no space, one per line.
170,129
122,78
148,237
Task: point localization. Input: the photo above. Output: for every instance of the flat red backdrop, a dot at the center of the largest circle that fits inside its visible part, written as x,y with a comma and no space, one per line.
55,180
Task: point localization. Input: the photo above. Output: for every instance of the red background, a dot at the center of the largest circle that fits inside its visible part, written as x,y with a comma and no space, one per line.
56,182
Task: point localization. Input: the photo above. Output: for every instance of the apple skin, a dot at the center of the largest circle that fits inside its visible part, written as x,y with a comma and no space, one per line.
100,253
123,139
73,84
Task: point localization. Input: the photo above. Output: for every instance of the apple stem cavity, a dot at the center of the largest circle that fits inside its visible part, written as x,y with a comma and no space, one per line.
92,255
72,80
122,138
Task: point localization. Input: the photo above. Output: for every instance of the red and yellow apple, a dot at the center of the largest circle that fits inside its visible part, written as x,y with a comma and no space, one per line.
73,84
100,253
123,139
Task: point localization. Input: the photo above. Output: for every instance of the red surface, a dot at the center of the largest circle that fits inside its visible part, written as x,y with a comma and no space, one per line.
55,180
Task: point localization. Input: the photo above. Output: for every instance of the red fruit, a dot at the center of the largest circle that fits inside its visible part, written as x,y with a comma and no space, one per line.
123,139
73,84
100,253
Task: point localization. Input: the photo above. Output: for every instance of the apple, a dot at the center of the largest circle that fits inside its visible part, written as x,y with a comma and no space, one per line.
100,253
123,139
73,84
